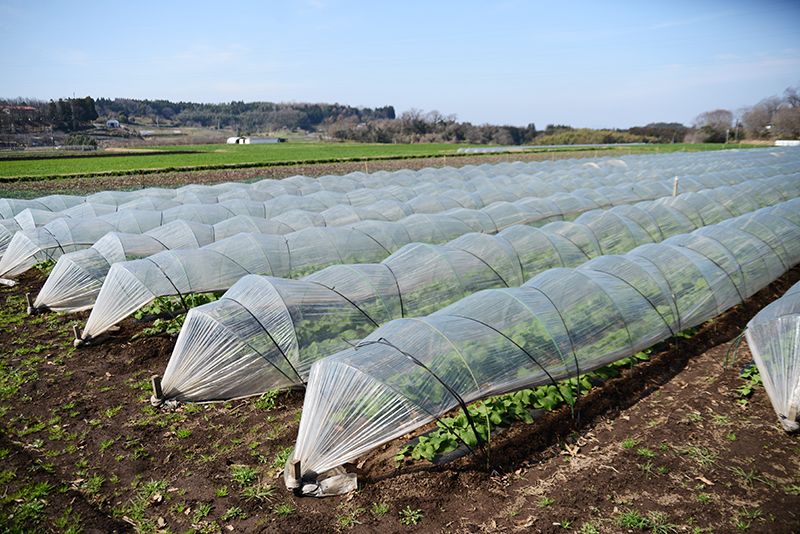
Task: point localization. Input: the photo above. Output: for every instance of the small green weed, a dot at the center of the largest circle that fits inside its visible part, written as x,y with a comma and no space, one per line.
379,509
284,509
629,443
233,513
545,501
409,516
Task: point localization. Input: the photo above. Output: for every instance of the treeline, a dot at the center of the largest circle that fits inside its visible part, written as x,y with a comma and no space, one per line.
327,121
29,116
415,126
773,117
241,117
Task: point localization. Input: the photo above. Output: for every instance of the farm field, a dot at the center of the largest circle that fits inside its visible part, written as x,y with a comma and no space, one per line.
684,441
676,444
15,166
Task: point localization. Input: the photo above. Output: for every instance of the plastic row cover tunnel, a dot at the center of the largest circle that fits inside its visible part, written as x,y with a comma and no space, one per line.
265,333
745,165
78,276
473,193
774,339
27,247
132,284
421,199
562,323
65,234
469,186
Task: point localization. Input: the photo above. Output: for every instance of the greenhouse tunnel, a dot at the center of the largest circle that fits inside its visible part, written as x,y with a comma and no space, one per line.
562,323
322,208
471,183
221,343
417,228
773,336
133,284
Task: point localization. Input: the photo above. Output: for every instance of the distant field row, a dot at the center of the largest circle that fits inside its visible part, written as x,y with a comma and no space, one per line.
205,157
213,156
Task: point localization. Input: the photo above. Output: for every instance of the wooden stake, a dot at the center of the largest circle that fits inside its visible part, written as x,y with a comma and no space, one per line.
295,468
156,381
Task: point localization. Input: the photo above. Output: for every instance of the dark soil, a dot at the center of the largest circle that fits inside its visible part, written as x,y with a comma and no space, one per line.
79,424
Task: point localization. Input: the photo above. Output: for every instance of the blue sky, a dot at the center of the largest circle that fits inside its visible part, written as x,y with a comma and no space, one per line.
585,64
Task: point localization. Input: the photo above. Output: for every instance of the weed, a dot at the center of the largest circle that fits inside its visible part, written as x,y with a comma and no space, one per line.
589,528
111,412
647,453
349,519
659,523
379,509
647,469
267,400
284,509
200,512
243,474
183,433
222,491
748,477
233,513
731,436
629,443
694,417
106,444
720,420
631,518
409,516
745,514
792,489
258,492
281,457
94,483
705,498
545,501
8,475
702,455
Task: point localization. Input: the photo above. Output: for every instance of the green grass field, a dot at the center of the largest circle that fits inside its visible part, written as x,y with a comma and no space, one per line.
206,157
213,156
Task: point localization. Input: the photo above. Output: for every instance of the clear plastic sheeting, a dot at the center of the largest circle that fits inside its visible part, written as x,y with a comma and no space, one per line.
57,237
774,339
45,244
9,207
120,300
216,267
560,324
221,343
75,282
76,279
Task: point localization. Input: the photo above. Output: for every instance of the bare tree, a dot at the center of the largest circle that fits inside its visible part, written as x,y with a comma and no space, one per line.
792,96
719,119
787,122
